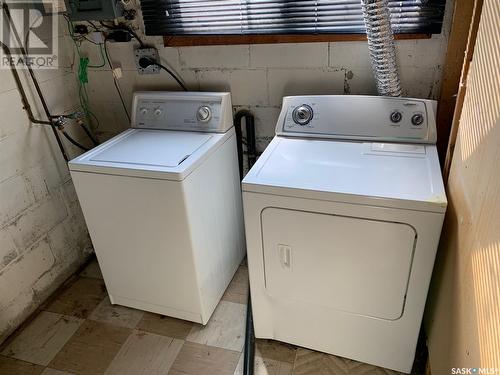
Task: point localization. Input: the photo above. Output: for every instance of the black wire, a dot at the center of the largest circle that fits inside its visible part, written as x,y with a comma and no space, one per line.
90,40
152,62
66,135
134,34
93,25
124,28
89,134
114,78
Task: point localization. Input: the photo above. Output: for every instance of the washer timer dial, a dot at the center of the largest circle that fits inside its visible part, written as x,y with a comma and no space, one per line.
303,114
204,113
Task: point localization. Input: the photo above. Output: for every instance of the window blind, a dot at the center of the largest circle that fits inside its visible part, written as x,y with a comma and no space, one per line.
233,17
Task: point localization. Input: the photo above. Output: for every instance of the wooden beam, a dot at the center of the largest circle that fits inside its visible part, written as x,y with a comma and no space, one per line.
212,40
457,43
471,43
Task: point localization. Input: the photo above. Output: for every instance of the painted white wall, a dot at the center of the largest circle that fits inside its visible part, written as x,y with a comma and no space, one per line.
258,76
43,237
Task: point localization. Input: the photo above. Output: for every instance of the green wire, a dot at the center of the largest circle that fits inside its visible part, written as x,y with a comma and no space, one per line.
83,65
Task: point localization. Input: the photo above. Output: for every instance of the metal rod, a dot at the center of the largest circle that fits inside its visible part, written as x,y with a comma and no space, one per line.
35,82
24,99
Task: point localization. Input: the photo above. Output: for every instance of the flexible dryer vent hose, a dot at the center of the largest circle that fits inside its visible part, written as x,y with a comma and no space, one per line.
377,18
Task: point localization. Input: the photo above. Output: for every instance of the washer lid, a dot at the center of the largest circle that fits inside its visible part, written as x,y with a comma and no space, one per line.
153,148
161,154
380,174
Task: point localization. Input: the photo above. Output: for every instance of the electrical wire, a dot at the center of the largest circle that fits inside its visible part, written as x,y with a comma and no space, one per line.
124,28
117,87
79,145
84,64
89,134
82,75
172,74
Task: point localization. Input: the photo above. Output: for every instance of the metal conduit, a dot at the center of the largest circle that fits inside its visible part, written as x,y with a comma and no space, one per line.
35,83
377,19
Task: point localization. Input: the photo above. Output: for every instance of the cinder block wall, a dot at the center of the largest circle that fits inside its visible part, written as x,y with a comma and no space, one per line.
258,76
43,237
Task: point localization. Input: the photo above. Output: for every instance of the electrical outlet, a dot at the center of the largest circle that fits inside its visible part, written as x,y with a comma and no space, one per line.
152,53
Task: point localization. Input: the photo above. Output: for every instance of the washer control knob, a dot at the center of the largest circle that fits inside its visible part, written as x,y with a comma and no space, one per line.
158,112
396,117
204,113
303,114
417,119
143,111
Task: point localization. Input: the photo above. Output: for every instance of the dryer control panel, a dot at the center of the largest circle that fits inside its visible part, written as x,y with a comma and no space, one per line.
358,117
189,111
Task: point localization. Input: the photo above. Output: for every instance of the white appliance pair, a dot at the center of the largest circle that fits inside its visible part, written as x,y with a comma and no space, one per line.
343,214
162,202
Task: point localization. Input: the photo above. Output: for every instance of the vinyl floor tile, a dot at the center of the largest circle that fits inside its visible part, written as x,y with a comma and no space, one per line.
266,366
276,350
309,362
92,270
226,328
145,354
164,325
197,359
115,314
43,338
80,298
237,291
91,349
11,366
51,371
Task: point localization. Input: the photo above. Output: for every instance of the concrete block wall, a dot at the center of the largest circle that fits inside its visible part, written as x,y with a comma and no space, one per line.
258,76
43,236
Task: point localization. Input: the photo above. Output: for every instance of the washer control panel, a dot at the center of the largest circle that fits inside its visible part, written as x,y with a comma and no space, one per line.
190,111
358,117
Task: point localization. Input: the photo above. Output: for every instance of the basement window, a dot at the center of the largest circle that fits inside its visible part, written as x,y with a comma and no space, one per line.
198,22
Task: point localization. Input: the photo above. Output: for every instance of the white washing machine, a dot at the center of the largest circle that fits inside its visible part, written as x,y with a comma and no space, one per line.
343,214
162,202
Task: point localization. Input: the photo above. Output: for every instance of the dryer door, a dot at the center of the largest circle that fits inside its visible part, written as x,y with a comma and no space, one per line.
349,264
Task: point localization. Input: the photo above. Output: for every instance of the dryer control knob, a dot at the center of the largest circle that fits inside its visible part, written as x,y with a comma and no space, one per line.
417,119
396,117
303,114
204,113
158,112
143,111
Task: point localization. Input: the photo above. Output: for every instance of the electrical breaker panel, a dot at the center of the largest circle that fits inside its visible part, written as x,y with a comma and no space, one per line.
94,10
